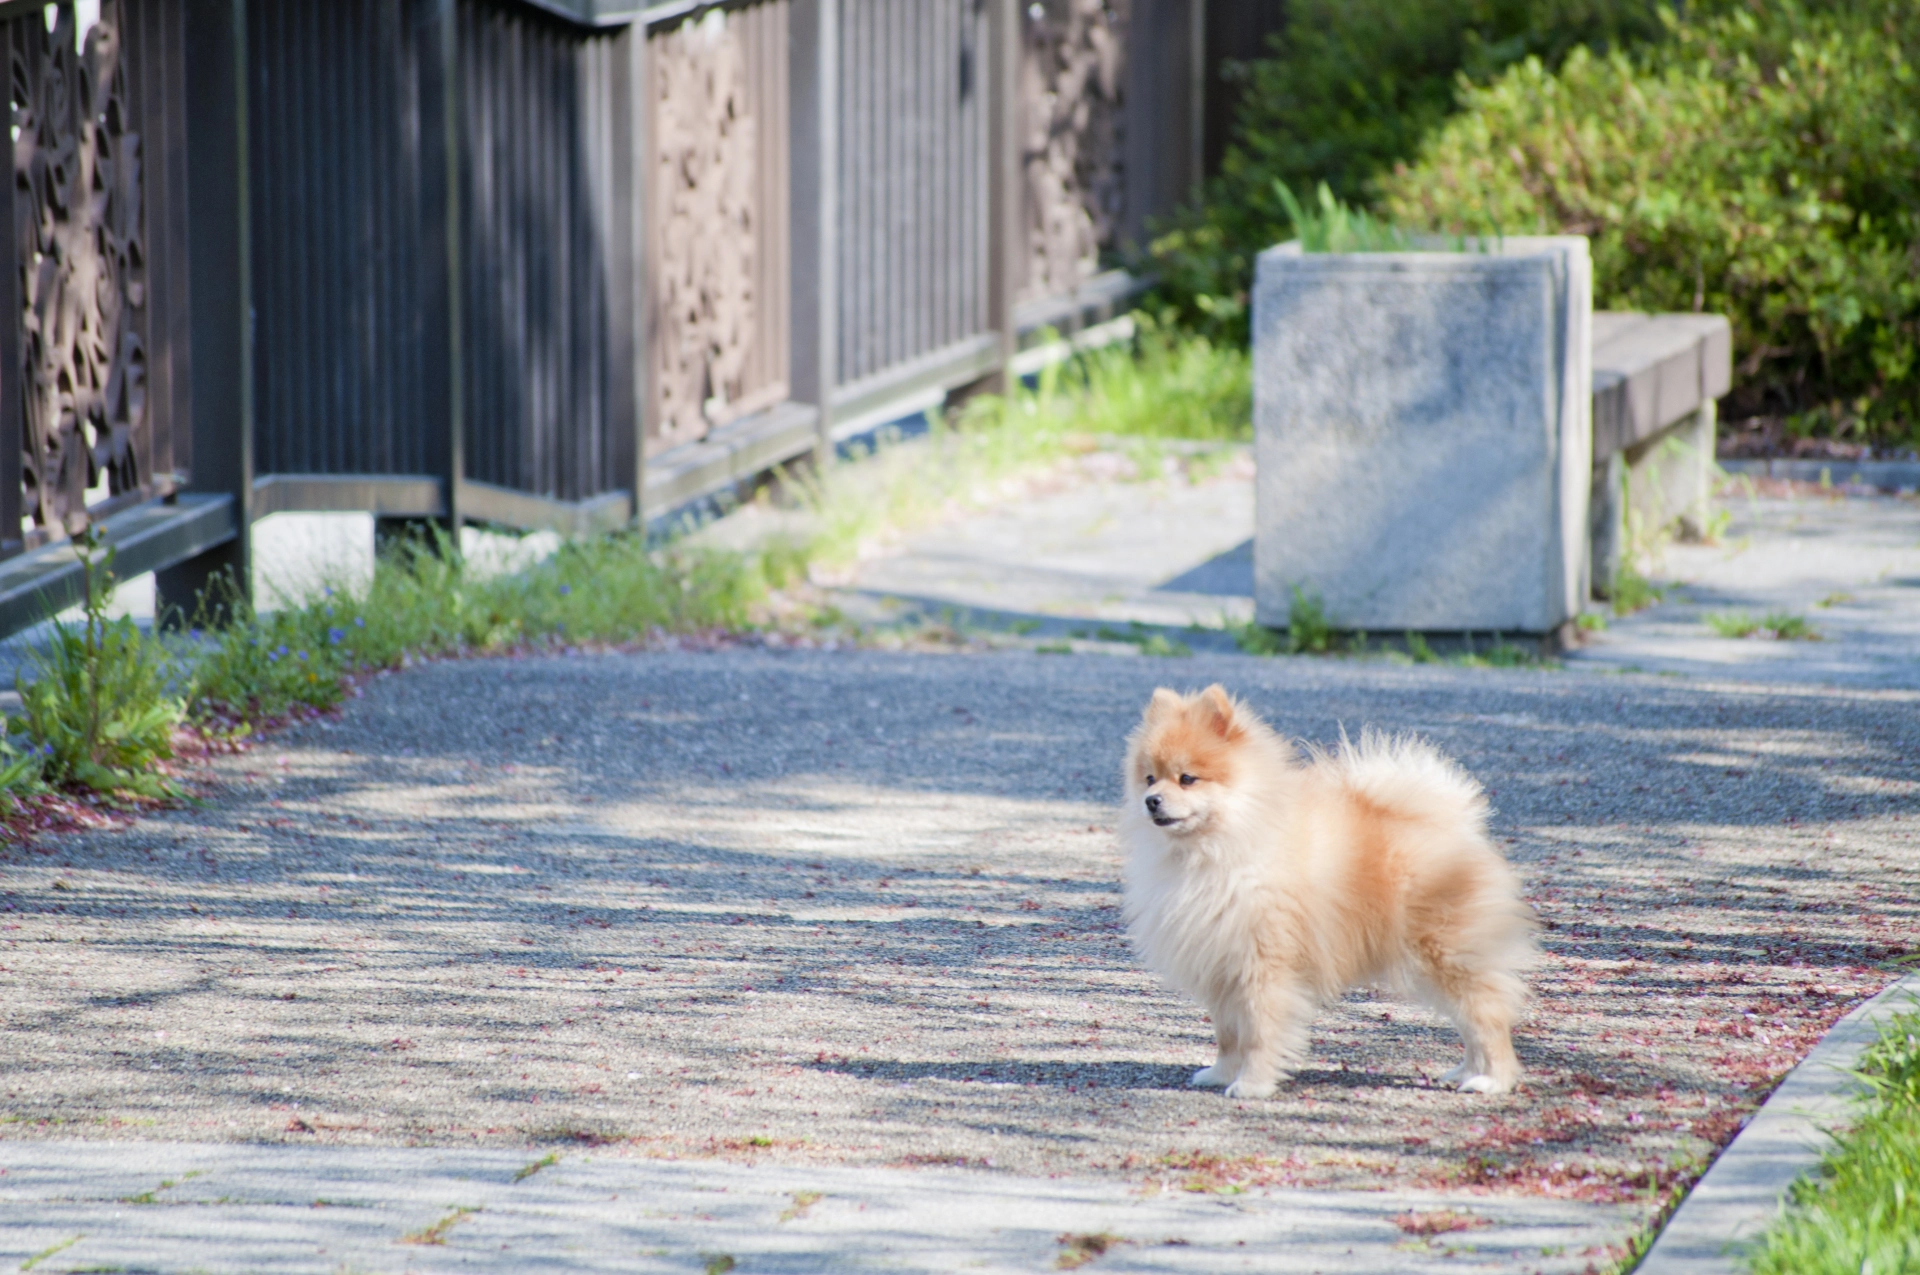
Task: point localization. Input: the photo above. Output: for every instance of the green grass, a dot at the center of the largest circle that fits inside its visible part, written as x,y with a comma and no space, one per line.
1783,626
1861,1213
1165,387
1629,591
100,710
1308,630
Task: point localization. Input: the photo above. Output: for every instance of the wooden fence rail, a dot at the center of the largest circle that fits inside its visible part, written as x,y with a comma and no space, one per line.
559,263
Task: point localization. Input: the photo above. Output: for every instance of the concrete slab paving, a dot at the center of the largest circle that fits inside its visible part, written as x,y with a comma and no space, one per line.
178,1207
1167,552
1175,554
1848,565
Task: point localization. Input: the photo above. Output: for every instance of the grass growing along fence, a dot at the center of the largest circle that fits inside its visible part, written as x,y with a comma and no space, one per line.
1861,1214
1162,388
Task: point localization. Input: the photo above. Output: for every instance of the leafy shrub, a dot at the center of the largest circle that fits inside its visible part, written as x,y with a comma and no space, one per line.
1764,164
1350,88
101,709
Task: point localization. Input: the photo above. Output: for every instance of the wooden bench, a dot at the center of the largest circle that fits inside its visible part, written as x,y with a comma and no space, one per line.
1655,381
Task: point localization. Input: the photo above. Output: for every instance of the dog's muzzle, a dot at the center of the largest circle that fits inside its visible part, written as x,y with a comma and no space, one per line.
1156,813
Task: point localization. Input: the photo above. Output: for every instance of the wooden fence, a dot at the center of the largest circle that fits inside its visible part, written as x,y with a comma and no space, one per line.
537,263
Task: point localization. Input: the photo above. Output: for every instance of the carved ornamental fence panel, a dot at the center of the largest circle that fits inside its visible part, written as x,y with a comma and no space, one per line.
91,395
718,218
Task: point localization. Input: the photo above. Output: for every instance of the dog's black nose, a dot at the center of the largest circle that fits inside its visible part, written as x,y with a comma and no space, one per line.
1153,804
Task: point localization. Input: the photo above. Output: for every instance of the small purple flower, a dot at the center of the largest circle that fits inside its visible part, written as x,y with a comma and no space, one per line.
359,621
565,589
273,657
300,655
336,636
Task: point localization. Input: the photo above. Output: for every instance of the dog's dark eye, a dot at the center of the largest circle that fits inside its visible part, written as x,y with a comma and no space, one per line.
1188,781
1149,781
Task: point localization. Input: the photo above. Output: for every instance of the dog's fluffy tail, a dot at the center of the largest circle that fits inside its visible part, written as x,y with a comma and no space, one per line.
1406,776
1489,926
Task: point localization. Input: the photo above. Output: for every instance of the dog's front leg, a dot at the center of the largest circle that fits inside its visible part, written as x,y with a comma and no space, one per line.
1272,1039
1226,1063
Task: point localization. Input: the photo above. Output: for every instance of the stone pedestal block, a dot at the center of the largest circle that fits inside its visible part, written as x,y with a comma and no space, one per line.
1424,435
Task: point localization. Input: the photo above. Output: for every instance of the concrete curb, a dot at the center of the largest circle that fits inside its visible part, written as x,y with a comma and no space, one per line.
1740,1195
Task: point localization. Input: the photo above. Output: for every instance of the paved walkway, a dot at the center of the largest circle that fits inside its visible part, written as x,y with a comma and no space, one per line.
1169,553
273,1211
846,922
1848,565
1095,556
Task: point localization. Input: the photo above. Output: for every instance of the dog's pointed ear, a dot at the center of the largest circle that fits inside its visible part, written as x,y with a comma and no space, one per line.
1223,713
1164,701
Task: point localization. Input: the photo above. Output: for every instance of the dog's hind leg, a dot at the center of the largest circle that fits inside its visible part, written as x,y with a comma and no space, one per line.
1482,1007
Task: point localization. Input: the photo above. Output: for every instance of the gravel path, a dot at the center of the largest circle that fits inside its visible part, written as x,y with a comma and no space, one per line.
861,908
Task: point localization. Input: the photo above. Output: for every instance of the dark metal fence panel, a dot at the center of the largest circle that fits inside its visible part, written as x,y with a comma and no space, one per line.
545,123
153,38
719,217
1165,91
349,368
913,180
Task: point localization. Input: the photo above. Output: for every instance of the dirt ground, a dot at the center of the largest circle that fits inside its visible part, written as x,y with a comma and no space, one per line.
859,907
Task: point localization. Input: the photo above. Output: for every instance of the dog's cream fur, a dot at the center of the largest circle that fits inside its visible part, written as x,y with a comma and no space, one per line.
1265,885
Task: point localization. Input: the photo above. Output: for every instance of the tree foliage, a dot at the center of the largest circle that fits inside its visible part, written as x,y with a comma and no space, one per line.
1764,164
1351,87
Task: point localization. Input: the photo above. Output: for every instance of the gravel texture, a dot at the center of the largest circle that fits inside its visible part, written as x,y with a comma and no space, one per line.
862,908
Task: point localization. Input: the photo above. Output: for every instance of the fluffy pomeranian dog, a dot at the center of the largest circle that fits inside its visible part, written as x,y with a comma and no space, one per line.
1265,884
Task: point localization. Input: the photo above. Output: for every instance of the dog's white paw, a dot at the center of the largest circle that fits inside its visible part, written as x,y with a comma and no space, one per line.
1209,1078
1484,1084
1247,1089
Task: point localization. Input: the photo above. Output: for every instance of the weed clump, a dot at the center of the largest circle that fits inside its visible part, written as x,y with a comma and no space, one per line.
1308,630
1782,626
1629,591
101,710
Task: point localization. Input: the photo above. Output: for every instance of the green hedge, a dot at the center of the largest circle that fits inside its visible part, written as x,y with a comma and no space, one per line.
1351,87
1764,165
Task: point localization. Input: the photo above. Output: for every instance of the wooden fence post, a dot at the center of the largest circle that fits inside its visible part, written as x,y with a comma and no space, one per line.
814,121
456,442
221,286
632,346
1006,226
